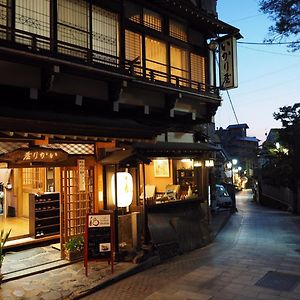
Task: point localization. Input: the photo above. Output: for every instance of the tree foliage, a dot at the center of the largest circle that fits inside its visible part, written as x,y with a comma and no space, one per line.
286,17
282,166
288,115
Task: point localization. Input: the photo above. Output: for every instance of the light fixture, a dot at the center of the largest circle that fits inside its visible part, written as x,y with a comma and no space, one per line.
213,45
234,161
187,160
197,163
209,163
124,189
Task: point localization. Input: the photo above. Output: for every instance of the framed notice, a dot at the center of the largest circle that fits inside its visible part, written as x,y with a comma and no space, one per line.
99,239
161,168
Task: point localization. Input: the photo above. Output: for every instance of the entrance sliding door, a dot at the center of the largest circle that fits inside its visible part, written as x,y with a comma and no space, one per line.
75,203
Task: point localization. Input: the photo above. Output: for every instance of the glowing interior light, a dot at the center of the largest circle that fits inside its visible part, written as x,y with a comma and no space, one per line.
124,189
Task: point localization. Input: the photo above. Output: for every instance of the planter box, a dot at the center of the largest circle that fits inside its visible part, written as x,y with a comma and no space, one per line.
73,255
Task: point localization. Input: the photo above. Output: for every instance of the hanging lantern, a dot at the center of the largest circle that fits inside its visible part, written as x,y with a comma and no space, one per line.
124,189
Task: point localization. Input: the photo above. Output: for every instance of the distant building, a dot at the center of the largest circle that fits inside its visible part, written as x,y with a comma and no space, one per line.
239,146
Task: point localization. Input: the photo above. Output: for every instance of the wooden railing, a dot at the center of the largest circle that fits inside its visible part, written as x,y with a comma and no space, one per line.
33,43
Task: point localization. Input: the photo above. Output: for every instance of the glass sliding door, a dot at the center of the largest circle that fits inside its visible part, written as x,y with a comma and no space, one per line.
33,16
73,27
179,66
156,59
198,72
105,35
133,50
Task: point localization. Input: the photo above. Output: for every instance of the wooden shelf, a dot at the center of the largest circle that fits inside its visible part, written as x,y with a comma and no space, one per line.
44,221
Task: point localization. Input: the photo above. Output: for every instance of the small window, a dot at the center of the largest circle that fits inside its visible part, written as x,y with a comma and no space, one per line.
198,71
152,19
132,12
178,30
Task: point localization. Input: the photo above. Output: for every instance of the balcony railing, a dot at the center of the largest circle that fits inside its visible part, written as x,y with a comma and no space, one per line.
44,46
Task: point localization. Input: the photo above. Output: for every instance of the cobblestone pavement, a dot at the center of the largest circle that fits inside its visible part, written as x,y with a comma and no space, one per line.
255,241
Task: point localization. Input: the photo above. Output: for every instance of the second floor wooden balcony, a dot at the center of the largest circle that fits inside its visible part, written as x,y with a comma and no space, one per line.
22,46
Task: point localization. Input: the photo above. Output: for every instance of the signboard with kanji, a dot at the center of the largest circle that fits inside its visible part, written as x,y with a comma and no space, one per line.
228,63
35,155
81,168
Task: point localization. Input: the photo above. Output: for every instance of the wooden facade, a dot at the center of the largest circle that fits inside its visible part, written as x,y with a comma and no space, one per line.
103,74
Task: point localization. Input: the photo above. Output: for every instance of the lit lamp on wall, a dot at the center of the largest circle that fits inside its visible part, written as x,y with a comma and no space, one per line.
124,189
209,163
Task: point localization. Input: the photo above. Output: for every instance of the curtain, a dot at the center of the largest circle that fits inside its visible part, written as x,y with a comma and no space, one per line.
179,66
156,58
198,71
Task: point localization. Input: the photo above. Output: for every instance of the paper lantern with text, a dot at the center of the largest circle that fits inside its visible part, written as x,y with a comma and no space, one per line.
124,189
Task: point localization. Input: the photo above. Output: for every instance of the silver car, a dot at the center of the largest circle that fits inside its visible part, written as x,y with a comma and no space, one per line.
222,198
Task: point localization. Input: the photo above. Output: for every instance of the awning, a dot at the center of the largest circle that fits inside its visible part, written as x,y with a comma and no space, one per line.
171,149
125,157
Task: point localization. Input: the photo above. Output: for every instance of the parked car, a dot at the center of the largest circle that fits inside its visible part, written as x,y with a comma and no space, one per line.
222,198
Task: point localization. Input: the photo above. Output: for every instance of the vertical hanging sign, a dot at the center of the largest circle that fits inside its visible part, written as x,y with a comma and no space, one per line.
81,171
228,63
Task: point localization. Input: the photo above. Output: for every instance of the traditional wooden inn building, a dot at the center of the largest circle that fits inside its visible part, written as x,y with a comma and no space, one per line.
86,86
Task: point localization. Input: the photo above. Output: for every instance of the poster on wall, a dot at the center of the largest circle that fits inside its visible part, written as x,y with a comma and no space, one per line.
99,238
161,168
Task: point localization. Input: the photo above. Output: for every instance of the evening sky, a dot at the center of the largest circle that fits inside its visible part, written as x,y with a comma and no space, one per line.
268,75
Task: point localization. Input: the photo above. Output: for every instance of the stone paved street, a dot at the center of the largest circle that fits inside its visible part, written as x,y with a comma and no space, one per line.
255,241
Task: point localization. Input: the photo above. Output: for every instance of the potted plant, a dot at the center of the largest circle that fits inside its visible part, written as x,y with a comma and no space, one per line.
74,248
3,238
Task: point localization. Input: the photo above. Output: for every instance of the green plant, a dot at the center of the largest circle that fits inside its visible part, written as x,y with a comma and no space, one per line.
75,243
3,238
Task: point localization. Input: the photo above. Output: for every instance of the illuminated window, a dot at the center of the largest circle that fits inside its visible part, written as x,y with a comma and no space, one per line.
3,16
198,71
179,66
152,19
73,26
156,58
133,49
132,12
105,34
33,177
178,30
33,16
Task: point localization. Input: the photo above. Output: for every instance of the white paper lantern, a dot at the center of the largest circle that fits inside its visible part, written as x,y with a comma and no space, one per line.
124,189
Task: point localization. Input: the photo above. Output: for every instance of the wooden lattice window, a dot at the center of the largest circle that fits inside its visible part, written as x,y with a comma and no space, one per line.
73,26
33,16
178,30
105,34
152,19
33,177
3,17
198,71
133,49
179,66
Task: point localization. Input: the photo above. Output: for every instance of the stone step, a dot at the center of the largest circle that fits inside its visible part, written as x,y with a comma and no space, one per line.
9,276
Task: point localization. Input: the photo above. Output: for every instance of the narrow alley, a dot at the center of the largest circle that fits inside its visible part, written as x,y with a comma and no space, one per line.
255,256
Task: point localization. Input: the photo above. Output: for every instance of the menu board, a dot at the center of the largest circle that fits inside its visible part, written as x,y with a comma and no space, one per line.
99,237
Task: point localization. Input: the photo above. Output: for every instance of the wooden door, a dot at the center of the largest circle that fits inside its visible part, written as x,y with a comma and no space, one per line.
75,204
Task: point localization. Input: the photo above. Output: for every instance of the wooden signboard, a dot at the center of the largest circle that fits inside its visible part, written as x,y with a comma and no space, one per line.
99,238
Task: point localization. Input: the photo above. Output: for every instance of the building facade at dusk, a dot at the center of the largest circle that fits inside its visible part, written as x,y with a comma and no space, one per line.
81,80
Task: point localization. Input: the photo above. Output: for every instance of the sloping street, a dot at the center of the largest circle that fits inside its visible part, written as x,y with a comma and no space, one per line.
255,256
